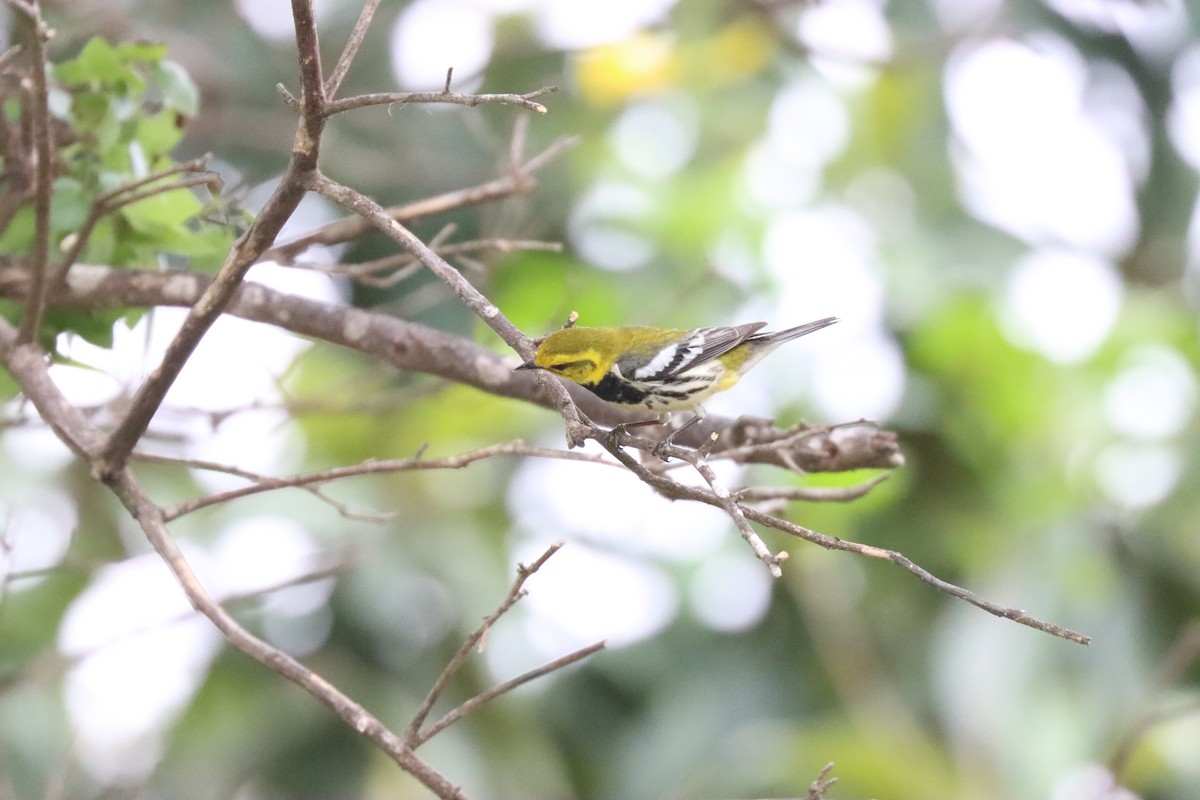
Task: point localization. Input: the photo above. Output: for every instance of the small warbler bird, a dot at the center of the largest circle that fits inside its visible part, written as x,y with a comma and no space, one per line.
661,370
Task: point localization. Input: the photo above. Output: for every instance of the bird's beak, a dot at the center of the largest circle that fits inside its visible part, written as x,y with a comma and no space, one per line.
526,365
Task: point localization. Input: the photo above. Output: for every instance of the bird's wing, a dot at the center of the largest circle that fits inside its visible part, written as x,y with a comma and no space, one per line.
700,345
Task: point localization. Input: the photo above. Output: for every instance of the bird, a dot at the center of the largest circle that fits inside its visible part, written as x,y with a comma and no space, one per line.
660,370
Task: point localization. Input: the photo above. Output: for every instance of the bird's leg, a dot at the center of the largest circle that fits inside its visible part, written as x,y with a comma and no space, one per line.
670,438
623,427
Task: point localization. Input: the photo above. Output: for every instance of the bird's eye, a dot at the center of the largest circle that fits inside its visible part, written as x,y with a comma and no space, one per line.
558,367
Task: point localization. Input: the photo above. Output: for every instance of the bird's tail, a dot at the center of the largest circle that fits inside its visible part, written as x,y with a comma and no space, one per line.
766,342
796,332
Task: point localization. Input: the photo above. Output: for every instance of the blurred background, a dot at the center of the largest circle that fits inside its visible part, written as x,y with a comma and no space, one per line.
997,198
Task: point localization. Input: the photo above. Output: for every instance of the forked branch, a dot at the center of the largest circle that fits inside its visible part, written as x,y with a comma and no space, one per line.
417,734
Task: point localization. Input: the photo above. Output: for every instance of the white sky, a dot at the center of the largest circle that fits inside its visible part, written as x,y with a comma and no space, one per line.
1045,147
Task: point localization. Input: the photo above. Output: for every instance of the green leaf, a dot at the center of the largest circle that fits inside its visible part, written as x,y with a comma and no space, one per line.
100,64
158,134
18,236
149,52
95,326
69,205
178,90
170,208
101,247
90,109
205,249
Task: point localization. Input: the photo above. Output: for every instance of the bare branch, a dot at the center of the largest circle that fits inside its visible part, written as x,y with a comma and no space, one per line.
402,266
525,100
10,55
733,509
263,483
35,89
821,784
246,251
415,347
810,494
468,294
413,735
518,181
334,82
475,702
27,365
613,441
899,559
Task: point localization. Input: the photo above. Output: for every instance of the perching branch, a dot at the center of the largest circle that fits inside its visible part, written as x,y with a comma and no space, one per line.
615,441
414,347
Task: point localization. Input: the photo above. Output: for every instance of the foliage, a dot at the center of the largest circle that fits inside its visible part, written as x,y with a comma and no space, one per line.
118,113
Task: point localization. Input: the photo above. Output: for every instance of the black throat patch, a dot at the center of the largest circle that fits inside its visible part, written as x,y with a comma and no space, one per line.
615,390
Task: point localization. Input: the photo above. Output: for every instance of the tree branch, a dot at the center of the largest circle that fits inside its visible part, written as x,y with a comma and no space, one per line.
264,483
525,100
415,736
334,82
613,441
516,181
130,193
462,288
246,251
457,713
38,93
28,366
415,347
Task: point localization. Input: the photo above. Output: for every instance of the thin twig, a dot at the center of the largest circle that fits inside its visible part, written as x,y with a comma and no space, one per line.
733,509
374,213
10,55
344,230
457,713
412,735
126,195
334,81
813,494
614,442
821,784
1179,659
402,266
38,93
526,100
900,560
257,238
264,483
